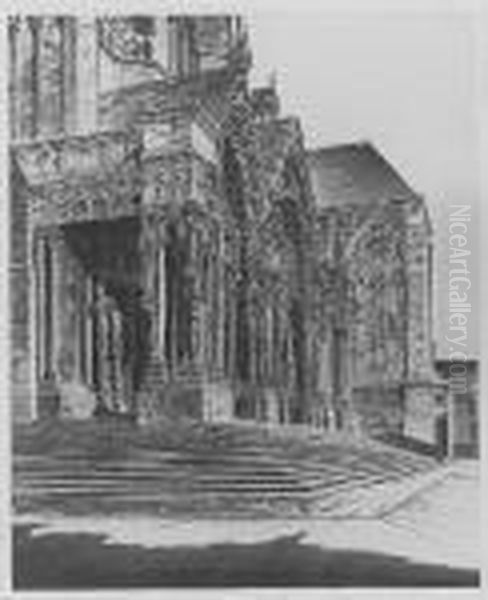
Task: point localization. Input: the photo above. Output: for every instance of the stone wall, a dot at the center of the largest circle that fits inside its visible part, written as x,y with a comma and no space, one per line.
231,245
421,412
43,76
363,289
418,265
20,301
380,410
376,281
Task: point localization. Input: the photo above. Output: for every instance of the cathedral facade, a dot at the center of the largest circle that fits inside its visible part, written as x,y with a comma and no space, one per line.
176,249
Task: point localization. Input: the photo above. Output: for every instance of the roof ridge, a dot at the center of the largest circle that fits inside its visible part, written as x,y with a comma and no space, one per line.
354,173
360,144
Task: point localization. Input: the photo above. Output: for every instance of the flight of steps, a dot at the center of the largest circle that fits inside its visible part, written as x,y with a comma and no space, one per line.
229,473
162,482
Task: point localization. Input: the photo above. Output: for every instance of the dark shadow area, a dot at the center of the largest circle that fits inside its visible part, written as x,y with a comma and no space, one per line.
413,445
81,561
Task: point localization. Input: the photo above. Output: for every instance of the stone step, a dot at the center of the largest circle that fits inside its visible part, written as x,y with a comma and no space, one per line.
62,488
160,473
215,470
170,476
107,478
340,500
83,469
198,500
84,466
214,483
261,454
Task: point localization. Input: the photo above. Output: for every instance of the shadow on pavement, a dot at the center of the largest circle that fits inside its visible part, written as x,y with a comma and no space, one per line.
82,561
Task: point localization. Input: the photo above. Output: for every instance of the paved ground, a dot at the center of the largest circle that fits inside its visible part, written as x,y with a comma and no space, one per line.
431,540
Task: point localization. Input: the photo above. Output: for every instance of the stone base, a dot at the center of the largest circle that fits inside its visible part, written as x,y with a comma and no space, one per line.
22,394
421,412
377,411
24,403
76,401
349,420
199,401
272,403
218,402
48,399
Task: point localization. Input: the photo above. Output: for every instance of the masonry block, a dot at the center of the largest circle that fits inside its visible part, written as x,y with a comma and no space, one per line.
420,413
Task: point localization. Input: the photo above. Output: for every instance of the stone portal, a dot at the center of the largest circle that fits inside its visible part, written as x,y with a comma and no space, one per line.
90,322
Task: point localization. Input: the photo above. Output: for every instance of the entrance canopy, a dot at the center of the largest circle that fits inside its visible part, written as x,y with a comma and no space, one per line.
81,178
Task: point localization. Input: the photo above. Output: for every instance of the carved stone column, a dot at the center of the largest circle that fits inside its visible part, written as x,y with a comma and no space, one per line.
14,25
153,372
89,326
57,246
162,299
51,76
149,272
196,299
40,304
232,329
25,92
221,303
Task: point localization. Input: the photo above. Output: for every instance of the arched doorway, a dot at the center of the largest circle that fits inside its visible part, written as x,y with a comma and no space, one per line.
104,342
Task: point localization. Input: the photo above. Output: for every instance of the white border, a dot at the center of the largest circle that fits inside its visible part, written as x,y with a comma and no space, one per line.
479,9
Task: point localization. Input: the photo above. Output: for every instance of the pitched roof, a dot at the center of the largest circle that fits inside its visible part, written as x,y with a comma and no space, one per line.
353,174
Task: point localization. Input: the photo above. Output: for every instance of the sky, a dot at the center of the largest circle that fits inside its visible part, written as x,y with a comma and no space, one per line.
406,83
